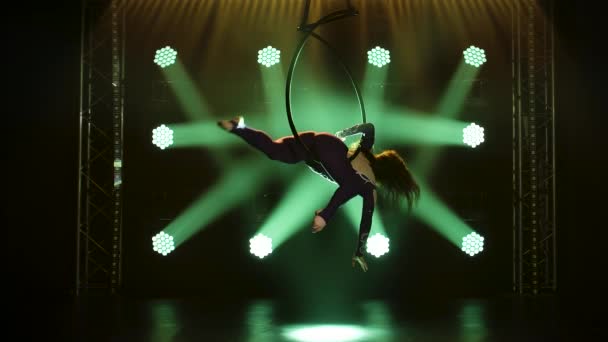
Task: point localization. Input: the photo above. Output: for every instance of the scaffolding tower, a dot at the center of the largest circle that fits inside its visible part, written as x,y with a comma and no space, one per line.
99,215
534,224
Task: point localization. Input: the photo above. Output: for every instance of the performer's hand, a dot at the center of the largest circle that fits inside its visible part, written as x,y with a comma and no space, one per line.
318,223
360,261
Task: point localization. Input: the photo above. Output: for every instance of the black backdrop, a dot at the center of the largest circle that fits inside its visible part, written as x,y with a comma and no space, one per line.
40,175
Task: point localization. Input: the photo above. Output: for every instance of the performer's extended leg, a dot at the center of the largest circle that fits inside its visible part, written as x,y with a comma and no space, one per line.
286,149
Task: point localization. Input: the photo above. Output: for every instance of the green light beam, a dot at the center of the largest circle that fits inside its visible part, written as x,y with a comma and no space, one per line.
194,105
373,89
203,134
439,217
458,89
195,108
449,107
430,209
407,128
273,81
242,180
317,106
274,122
296,210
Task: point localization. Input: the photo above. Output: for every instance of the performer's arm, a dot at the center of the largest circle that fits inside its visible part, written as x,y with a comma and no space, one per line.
341,196
366,129
366,221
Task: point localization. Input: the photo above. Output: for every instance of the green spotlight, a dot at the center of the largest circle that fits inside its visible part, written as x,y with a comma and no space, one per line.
162,136
229,191
406,127
163,243
200,133
472,135
472,243
305,195
260,245
269,56
377,245
165,57
474,56
432,211
378,57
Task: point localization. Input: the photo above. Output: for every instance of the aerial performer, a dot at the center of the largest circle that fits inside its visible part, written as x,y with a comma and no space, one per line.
357,171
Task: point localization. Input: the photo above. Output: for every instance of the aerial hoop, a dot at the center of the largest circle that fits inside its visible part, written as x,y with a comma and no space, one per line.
308,30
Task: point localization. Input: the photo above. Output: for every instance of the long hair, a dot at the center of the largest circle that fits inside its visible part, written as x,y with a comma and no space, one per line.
394,177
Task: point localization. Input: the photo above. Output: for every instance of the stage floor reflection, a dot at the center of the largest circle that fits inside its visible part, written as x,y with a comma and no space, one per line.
507,318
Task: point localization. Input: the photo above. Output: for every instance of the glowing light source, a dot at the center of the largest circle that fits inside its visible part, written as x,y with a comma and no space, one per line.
162,136
326,333
378,57
163,243
377,245
472,135
260,245
269,56
474,56
165,57
472,243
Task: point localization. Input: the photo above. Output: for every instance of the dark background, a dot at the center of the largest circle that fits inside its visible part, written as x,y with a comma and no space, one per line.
41,122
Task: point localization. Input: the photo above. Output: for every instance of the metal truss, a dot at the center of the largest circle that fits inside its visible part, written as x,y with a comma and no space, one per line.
534,224
99,221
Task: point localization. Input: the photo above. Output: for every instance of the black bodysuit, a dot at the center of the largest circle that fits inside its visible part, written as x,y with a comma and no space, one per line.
330,160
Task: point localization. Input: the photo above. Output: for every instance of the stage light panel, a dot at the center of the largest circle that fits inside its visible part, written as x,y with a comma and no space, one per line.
474,56
472,243
269,56
260,245
163,243
378,57
165,57
162,136
473,135
378,245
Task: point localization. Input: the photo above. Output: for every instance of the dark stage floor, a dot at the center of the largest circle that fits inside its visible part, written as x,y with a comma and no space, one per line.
119,318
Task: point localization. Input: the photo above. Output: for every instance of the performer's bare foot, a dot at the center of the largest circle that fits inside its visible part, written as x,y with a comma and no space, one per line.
229,125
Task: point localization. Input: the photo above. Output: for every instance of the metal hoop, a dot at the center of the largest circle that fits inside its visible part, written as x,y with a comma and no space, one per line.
309,31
